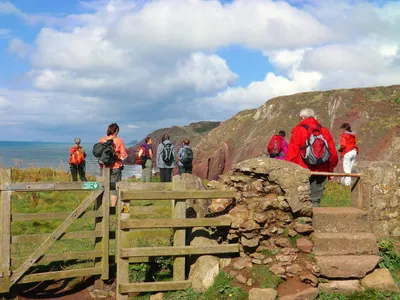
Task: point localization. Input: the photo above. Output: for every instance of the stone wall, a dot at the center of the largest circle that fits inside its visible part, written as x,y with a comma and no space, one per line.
379,194
273,209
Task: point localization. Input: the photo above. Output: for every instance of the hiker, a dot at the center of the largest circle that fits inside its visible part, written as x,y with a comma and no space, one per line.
311,146
77,164
166,158
348,151
145,153
277,146
114,153
185,155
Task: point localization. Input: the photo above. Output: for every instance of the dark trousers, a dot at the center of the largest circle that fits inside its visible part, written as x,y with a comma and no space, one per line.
317,184
185,169
78,169
165,174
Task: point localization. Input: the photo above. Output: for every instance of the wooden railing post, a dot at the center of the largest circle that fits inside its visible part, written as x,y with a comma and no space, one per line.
123,208
5,231
179,212
103,224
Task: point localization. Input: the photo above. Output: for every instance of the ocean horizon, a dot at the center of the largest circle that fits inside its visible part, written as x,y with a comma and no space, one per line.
54,155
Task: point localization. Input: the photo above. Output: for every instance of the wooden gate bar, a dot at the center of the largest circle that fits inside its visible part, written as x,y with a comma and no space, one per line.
48,258
177,251
60,275
31,238
174,223
45,186
122,241
154,286
175,195
5,230
54,236
105,242
51,216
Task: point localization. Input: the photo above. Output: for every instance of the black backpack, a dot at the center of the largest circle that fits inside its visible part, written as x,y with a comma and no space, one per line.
166,154
187,156
104,152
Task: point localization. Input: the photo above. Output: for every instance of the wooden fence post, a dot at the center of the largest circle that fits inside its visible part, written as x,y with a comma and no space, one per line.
123,208
5,231
179,212
103,224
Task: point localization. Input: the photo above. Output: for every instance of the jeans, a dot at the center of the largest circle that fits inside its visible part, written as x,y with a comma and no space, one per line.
165,174
78,169
348,162
146,171
185,169
317,184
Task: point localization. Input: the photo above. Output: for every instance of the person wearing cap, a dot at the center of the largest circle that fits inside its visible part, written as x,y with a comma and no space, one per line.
77,157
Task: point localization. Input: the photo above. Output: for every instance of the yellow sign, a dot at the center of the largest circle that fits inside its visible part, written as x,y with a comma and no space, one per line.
125,208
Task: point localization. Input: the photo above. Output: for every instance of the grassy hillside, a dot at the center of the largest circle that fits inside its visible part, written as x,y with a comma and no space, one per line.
374,114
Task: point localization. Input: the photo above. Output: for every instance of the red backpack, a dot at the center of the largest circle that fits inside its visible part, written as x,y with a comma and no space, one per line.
316,150
140,155
76,155
275,145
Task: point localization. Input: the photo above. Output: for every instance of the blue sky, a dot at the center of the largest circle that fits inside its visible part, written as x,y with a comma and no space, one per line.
70,68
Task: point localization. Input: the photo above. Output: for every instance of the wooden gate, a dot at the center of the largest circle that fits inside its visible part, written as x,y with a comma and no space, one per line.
162,191
14,270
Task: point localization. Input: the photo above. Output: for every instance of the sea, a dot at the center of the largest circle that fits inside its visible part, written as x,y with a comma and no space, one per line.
24,155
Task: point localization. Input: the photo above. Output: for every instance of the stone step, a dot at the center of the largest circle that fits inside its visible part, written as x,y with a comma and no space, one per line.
348,243
340,219
346,266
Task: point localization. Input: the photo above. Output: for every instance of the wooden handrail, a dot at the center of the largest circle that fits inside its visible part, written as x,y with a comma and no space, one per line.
357,175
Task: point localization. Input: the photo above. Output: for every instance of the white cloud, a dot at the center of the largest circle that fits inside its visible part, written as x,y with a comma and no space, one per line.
133,126
154,62
7,8
258,92
18,47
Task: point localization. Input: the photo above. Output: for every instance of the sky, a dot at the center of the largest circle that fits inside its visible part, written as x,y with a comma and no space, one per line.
70,68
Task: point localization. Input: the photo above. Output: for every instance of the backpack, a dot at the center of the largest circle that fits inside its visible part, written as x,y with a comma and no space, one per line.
77,155
166,154
187,156
275,145
316,150
104,152
141,155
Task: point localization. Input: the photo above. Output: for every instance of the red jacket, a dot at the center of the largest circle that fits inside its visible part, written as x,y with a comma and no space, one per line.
347,143
299,138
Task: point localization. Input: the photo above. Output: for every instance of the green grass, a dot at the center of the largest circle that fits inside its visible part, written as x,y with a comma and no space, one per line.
365,295
222,289
336,195
264,277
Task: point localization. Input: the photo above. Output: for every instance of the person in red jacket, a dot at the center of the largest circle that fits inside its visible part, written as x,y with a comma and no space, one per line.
348,151
300,135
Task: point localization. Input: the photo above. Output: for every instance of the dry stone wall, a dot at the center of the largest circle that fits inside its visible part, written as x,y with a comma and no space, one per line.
379,195
271,216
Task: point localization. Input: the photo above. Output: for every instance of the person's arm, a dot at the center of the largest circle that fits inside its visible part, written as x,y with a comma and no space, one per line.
294,147
158,154
284,146
122,153
151,153
333,159
174,153
343,143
